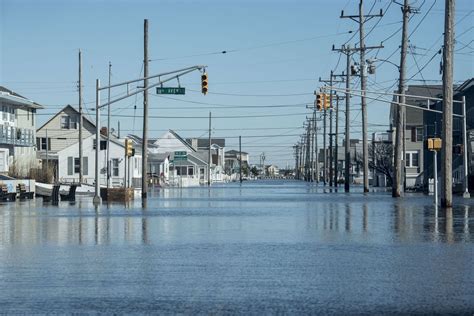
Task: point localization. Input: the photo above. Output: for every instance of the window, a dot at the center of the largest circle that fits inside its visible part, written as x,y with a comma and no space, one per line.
191,171
5,113
65,122
41,143
12,114
115,167
412,159
417,134
85,166
77,165
70,166
68,122
103,145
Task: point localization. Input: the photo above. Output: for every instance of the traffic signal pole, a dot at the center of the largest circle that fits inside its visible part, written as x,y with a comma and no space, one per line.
175,74
145,113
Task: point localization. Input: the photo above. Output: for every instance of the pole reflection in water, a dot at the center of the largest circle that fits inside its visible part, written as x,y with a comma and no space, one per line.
348,217
449,225
364,217
466,224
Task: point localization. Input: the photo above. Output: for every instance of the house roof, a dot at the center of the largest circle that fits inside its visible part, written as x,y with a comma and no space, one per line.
204,142
465,85
182,140
17,99
235,152
63,109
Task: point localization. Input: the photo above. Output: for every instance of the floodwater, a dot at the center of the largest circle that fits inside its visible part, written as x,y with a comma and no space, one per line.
266,247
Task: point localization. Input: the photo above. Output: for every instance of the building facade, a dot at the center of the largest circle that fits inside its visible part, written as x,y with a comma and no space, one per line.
17,133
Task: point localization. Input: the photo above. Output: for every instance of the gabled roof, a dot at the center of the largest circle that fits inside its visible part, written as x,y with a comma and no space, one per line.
182,140
63,109
465,85
17,99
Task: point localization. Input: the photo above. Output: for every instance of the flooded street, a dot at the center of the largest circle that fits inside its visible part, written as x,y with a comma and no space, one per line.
263,247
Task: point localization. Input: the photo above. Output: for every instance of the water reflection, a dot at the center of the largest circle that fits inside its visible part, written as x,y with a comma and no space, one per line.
234,214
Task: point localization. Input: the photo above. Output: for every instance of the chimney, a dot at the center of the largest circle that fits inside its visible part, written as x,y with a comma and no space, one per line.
103,131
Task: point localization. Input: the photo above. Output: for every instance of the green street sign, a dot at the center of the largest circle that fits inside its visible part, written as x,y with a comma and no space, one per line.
180,158
170,90
180,153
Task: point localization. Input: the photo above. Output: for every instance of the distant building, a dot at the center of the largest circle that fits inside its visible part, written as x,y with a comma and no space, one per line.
232,161
217,148
272,170
17,133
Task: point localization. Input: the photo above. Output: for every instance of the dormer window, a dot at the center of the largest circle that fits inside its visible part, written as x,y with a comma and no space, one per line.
68,122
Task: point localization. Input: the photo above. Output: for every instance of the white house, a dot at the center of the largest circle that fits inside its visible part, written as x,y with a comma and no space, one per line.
17,133
68,163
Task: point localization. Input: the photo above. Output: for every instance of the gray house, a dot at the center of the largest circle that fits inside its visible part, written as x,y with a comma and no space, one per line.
433,129
415,131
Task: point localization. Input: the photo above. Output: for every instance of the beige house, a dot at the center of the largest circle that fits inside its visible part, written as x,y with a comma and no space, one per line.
60,132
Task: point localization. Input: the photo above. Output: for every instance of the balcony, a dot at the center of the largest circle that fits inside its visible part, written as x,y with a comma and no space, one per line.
22,137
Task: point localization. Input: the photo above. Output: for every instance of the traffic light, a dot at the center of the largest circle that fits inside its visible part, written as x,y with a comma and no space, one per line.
204,83
319,101
327,101
128,147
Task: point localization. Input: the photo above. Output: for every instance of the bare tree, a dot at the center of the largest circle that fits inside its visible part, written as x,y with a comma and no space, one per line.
380,159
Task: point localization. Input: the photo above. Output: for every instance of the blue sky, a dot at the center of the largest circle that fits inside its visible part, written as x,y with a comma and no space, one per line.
277,50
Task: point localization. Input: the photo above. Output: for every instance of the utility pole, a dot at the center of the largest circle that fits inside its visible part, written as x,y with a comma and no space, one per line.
361,19
331,82
347,136
47,150
347,50
400,114
108,130
80,121
311,127
316,149
296,160
447,137
308,153
209,154
145,112
324,149
336,153
97,198
240,157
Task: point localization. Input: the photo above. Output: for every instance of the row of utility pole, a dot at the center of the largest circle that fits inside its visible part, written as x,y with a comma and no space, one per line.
305,168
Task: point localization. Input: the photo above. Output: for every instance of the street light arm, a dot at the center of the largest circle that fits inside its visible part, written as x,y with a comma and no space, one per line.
370,61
